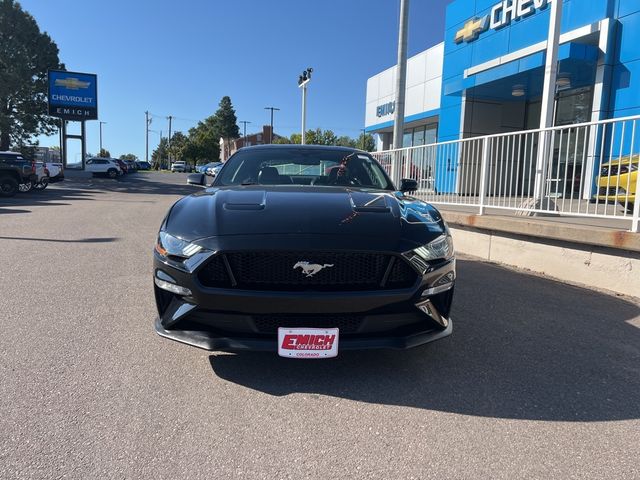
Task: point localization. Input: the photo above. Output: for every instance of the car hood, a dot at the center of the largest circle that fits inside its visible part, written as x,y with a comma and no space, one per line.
307,211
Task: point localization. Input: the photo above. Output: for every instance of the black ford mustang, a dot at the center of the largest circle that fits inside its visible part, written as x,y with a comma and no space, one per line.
304,250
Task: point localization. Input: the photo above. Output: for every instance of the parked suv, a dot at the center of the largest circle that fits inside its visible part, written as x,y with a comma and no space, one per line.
15,170
104,166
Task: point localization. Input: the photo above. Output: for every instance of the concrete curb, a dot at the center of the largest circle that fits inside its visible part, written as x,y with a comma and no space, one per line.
599,258
532,227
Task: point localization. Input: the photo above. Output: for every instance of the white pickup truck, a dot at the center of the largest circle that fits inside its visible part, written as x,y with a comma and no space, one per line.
56,172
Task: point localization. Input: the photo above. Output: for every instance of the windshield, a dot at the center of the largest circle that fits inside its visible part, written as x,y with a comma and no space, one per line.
300,166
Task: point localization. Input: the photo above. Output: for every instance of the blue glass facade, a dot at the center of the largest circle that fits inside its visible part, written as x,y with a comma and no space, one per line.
579,57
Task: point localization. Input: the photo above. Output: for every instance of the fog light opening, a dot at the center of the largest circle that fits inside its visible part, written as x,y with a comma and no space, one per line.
427,308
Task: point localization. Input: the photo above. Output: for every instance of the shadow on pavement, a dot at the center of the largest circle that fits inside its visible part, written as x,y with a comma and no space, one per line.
12,210
88,188
523,347
55,240
141,183
52,196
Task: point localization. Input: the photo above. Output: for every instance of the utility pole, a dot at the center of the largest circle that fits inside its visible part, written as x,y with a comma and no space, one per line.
401,80
272,109
101,123
303,80
169,141
244,134
364,135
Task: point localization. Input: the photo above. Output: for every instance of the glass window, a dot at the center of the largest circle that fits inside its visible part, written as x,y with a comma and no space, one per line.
299,166
406,138
431,134
418,136
574,106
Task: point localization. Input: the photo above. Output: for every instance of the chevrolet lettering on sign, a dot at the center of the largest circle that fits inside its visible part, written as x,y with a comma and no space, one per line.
501,15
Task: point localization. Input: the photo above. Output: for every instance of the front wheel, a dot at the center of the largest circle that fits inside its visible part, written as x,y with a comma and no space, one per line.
112,173
42,184
8,186
25,187
630,207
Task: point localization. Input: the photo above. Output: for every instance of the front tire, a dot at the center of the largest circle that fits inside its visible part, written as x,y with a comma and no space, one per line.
8,186
25,187
42,184
112,173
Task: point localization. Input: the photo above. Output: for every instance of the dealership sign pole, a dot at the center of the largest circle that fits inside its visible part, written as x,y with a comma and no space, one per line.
73,96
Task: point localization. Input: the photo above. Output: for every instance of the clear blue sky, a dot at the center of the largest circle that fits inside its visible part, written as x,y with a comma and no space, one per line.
180,58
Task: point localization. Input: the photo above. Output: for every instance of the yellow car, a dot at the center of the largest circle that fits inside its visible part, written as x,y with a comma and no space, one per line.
617,181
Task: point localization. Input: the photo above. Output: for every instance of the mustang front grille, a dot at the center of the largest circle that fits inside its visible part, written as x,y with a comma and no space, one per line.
307,271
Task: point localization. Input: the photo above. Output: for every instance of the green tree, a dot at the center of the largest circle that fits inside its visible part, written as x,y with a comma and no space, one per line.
25,55
179,143
104,153
226,122
160,154
204,141
129,156
345,141
296,138
366,142
282,141
320,137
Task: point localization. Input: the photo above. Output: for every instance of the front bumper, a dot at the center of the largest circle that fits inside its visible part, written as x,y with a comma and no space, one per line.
210,341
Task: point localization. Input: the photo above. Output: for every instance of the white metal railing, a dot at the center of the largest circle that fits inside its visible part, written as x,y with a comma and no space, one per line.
587,169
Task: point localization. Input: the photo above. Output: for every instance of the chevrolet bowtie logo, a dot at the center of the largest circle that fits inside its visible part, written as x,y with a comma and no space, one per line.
472,29
71,83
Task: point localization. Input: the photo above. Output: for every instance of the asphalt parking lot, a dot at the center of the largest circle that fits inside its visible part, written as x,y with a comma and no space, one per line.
539,379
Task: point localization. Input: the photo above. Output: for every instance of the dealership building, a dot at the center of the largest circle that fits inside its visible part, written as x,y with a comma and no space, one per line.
487,76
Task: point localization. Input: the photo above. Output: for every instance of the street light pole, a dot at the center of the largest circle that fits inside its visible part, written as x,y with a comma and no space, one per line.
101,123
169,141
401,81
303,80
271,134
146,151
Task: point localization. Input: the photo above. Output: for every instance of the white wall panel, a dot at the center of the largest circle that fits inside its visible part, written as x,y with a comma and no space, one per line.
424,85
416,67
435,60
432,89
414,100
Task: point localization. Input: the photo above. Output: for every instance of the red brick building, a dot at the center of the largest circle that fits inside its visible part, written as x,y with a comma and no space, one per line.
261,138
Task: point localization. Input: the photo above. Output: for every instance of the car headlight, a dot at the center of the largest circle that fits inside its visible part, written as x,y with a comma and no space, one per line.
440,248
168,245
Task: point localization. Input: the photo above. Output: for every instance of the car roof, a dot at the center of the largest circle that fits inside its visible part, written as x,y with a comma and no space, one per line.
297,146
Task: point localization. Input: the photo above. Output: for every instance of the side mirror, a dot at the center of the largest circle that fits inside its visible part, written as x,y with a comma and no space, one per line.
196,179
408,185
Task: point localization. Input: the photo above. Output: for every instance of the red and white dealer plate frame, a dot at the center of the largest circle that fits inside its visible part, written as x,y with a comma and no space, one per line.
308,342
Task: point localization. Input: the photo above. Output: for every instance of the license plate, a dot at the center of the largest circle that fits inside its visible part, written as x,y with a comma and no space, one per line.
308,342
